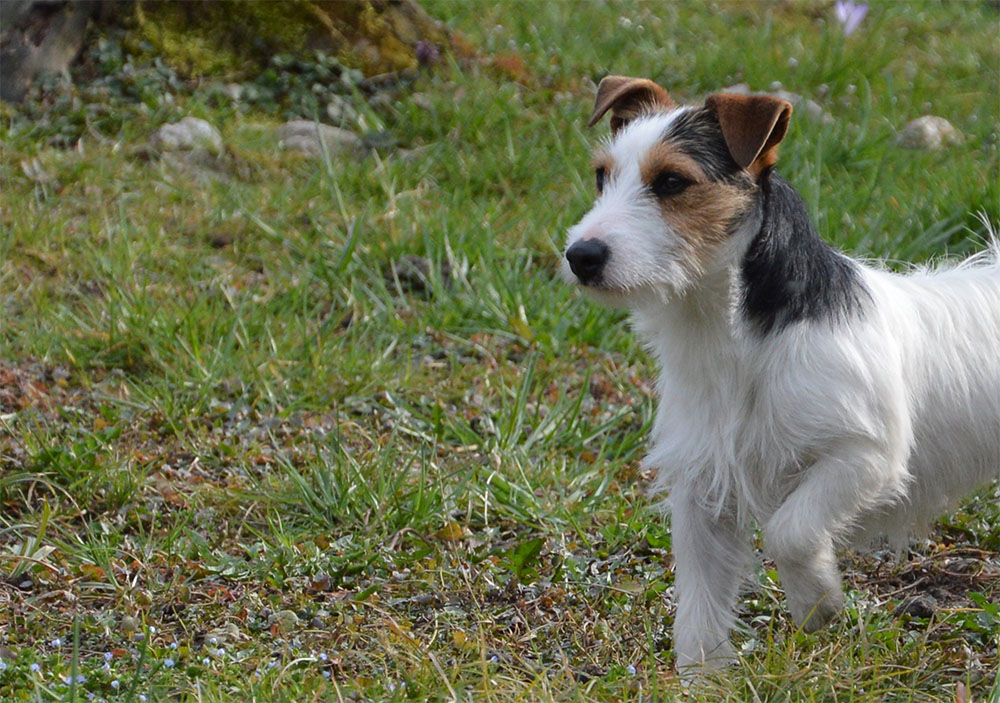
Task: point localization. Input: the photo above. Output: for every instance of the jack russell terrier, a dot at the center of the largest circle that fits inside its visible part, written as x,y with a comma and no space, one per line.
824,400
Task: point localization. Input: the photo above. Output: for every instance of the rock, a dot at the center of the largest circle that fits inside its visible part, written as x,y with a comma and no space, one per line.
308,137
922,606
738,89
233,91
189,134
340,110
928,132
198,165
284,620
414,273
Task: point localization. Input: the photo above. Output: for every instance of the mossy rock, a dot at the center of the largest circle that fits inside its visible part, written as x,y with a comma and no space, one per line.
234,39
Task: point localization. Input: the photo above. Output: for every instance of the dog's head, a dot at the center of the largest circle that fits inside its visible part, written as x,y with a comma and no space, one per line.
676,186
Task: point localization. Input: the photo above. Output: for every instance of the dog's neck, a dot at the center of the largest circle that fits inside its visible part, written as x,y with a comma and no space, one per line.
788,274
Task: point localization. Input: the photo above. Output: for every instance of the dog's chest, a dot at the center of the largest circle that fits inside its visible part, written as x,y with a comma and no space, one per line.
724,424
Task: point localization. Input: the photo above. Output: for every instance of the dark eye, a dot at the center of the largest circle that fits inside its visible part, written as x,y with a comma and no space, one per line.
600,179
668,183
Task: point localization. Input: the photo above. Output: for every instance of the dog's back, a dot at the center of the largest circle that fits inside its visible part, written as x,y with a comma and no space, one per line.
949,352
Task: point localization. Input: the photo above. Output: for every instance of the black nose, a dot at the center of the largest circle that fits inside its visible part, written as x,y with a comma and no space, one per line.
587,259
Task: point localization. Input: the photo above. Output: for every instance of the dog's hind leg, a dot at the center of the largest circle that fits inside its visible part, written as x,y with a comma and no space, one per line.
802,532
710,556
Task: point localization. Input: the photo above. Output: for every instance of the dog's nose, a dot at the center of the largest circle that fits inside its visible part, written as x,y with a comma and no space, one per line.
587,259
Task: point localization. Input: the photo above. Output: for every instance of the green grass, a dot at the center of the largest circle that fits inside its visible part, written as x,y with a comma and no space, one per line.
232,418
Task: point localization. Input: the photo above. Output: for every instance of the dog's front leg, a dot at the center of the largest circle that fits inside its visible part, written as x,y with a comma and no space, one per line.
710,556
800,534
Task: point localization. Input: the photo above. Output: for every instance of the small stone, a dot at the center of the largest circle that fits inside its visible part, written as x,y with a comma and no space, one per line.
928,132
340,110
922,606
188,134
309,137
423,101
233,91
414,273
284,619
129,624
738,89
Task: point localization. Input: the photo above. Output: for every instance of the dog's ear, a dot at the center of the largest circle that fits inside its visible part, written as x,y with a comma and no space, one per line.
626,97
753,126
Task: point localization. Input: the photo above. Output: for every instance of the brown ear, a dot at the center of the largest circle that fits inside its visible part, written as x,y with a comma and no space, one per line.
753,126
626,97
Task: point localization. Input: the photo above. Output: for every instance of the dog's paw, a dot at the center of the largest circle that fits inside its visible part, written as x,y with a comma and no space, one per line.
695,660
814,613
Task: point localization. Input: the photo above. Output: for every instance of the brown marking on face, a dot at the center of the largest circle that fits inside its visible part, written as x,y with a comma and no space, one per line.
704,212
602,157
667,157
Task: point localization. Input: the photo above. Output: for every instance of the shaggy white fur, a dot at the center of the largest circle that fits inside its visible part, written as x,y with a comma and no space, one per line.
836,427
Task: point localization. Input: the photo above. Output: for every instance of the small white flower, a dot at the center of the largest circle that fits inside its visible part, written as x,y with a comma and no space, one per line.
213,640
173,645
205,661
115,684
142,697
323,657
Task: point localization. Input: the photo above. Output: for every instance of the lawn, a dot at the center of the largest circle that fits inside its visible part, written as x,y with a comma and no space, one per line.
294,429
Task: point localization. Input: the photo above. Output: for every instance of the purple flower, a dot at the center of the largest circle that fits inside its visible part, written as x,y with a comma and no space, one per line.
427,53
850,14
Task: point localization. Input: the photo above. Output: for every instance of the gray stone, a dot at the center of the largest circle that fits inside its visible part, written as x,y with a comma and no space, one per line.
928,132
309,137
188,134
340,110
922,606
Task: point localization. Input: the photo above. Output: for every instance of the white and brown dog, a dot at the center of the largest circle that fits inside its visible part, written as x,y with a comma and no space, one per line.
818,398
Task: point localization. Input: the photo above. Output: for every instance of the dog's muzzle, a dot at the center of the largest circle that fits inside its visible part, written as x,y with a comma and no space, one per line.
587,259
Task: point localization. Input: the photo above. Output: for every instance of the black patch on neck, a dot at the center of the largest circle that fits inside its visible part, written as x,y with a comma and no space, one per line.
791,275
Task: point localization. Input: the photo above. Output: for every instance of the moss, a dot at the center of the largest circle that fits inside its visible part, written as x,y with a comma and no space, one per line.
236,38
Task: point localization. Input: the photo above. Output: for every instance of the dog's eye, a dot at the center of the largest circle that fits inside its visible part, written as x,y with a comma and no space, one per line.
600,178
668,183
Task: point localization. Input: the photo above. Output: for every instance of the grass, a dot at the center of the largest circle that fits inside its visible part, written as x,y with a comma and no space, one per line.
249,452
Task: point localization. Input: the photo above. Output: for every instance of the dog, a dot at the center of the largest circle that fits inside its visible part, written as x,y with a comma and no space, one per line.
826,401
